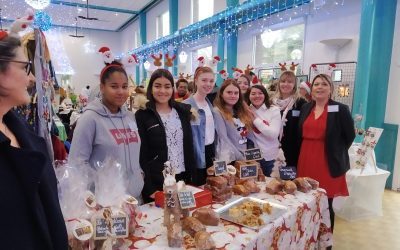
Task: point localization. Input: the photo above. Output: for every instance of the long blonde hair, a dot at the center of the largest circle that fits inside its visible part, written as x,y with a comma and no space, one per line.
241,108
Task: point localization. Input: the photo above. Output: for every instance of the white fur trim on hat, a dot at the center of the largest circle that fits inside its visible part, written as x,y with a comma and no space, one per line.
305,86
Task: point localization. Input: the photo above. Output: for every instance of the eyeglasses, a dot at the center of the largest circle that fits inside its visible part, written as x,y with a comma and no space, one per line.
28,64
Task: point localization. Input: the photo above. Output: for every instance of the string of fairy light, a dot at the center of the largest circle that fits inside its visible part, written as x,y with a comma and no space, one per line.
251,16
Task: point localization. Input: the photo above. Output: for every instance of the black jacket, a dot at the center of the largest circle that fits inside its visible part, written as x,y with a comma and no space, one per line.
31,217
154,150
289,141
339,136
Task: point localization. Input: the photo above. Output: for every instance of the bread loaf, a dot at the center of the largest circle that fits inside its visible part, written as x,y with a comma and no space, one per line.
207,216
314,184
274,186
302,185
204,241
192,225
289,187
251,186
217,181
240,190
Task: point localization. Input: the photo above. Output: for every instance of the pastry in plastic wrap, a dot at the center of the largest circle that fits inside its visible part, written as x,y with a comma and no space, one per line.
314,184
274,186
192,225
204,241
289,187
251,186
175,237
302,185
207,216
240,190
261,176
217,181
230,179
222,197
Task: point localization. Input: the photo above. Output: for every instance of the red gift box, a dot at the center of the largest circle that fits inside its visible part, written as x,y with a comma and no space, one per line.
202,197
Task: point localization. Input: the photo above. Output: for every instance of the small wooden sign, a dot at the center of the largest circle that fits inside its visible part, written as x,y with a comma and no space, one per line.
220,168
119,227
253,154
248,171
288,173
186,199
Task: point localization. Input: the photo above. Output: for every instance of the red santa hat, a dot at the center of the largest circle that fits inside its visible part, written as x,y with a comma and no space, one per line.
224,74
306,86
129,60
216,60
237,73
201,61
108,56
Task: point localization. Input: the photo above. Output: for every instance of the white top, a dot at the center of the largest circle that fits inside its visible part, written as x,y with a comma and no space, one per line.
267,127
174,134
210,126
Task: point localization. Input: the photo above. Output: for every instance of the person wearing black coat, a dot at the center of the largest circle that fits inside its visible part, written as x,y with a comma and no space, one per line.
290,105
154,150
31,216
326,132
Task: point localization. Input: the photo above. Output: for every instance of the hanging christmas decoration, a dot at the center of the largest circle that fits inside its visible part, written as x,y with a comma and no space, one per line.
38,4
42,20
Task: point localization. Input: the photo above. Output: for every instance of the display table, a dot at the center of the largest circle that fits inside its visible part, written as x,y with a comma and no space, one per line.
365,187
305,225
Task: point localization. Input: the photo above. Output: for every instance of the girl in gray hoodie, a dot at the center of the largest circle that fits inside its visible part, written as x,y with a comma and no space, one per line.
106,128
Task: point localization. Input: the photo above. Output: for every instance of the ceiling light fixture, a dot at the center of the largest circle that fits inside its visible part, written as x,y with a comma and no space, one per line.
38,4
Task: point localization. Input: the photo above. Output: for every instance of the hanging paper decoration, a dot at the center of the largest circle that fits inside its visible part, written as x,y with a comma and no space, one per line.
43,21
38,4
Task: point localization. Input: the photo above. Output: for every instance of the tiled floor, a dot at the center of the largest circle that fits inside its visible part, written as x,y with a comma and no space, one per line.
375,233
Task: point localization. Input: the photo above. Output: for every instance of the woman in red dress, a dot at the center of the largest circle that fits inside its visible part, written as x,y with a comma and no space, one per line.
327,132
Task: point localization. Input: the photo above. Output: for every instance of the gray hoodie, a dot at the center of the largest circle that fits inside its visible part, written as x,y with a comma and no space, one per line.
99,134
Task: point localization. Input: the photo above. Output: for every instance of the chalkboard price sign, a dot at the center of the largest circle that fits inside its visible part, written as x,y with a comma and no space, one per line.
119,227
248,171
253,154
220,168
186,199
288,173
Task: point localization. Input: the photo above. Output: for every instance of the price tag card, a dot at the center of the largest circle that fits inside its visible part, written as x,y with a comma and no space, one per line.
186,199
253,154
248,171
119,227
288,173
220,168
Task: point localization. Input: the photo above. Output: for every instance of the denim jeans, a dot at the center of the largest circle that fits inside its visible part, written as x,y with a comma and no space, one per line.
266,166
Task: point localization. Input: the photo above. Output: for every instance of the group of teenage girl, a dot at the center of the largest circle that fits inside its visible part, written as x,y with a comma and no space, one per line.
192,134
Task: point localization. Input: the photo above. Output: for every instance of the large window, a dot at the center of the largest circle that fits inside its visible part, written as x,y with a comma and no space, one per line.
202,9
272,47
162,26
205,52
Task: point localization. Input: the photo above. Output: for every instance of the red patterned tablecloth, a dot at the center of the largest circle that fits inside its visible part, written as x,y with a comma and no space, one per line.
305,225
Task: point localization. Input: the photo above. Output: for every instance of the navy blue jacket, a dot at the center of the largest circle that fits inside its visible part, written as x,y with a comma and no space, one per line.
31,217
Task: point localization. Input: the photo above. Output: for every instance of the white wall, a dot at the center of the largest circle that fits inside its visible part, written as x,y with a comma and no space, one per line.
151,19
87,66
185,13
393,101
128,36
340,23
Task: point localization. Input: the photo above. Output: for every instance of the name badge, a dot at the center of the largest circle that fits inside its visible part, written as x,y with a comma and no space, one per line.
296,113
333,108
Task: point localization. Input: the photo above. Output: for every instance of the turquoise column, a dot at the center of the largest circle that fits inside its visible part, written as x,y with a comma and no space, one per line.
372,76
137,74
221,54
173,27
231,43
143,36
